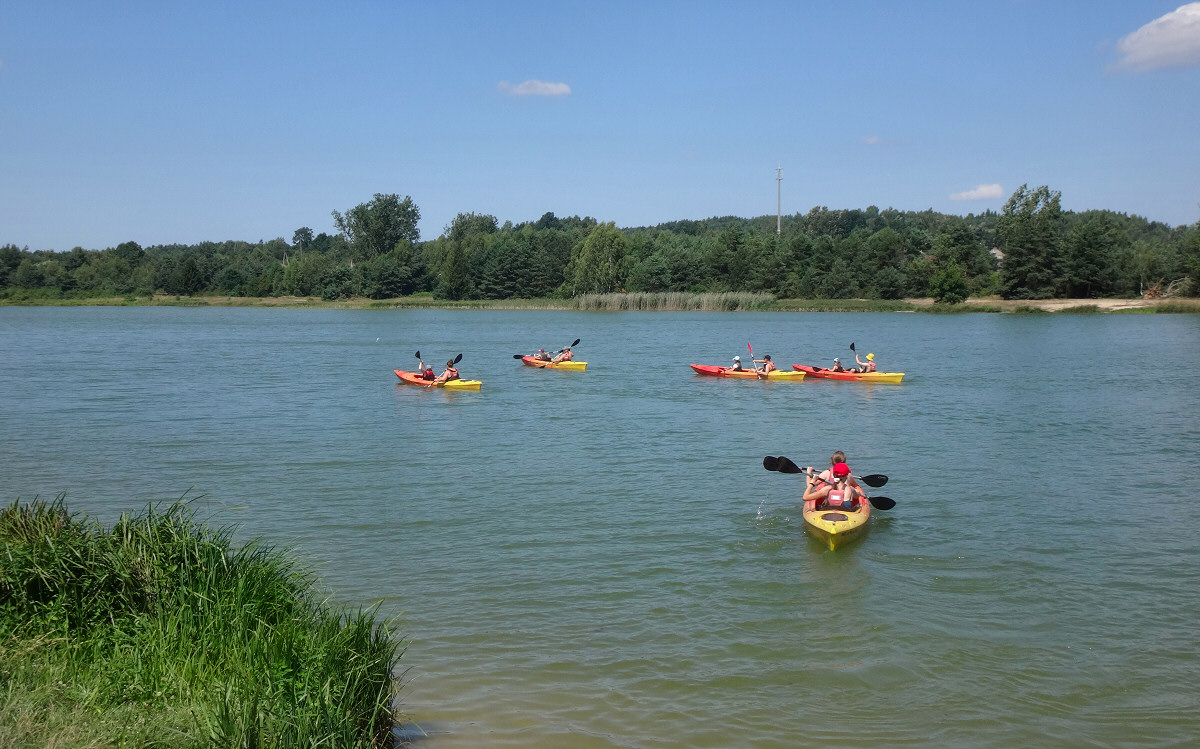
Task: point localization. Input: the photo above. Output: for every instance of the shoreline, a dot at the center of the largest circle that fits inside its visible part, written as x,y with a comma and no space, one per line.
992,305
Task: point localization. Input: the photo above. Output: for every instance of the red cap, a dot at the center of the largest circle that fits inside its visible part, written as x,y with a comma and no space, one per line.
841,469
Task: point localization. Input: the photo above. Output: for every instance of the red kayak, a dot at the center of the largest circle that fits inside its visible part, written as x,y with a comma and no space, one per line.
747,374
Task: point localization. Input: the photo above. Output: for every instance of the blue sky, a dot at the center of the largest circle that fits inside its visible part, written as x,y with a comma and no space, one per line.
184,122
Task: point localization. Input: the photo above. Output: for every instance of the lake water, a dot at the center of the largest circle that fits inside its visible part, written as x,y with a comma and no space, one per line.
598,559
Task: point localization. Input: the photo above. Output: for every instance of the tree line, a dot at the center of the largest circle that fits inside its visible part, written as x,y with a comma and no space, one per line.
1032,249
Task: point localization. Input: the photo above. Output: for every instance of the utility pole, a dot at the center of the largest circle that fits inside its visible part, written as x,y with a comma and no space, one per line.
778,200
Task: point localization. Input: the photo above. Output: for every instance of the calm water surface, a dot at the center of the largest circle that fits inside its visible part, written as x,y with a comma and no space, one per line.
598,559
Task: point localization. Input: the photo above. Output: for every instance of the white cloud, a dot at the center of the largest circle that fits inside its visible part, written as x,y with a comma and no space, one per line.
983,192
535,88
872,140
1172,41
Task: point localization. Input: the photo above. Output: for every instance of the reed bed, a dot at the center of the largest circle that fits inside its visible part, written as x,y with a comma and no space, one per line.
848,305
731,301
160,632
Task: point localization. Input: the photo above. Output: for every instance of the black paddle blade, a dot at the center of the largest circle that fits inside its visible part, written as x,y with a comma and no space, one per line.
852,346
875,479
882,503
771,463
518,356
787,466
576,343
418,354
458,358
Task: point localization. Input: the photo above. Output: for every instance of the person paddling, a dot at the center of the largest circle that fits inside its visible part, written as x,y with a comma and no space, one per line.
767,367
834,488
426,372
450,374
865,366
564,355
543,355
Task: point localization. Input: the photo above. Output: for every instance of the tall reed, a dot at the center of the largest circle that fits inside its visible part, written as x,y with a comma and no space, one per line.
163,628
729,301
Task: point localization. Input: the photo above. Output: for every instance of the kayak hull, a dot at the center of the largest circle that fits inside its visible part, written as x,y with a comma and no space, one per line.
746,374
817,373
414,378
835,528
571,366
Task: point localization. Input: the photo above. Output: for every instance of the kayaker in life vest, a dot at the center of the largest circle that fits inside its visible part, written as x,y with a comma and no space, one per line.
737,365
564,355
543,355
837,365
838,492
767,365
450,374
865,366
426,372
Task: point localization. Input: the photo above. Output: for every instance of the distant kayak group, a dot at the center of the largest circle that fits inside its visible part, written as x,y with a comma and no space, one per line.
564,358
450,379
765,369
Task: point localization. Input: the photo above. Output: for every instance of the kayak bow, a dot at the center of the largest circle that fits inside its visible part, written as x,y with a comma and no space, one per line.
836,527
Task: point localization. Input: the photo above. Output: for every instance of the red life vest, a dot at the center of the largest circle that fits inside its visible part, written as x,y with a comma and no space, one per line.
840,497
451,373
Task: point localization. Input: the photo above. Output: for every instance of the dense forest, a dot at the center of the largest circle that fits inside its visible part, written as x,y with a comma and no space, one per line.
1032,249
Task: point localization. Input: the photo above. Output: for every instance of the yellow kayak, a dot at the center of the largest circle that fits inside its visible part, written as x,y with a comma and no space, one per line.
573,366
836,527
414,378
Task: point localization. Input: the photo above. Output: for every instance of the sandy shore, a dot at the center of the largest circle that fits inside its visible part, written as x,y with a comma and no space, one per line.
1051,305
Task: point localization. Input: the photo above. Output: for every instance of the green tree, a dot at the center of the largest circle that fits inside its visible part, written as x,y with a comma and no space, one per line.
302,238
949,284
28,275
1092,248
375,228
454,282
597,263
130,252
10,258
1030,232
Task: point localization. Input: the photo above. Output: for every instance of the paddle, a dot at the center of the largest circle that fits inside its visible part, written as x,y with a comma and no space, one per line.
785,465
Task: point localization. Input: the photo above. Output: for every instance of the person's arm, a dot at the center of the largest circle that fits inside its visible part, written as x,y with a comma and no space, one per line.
815,489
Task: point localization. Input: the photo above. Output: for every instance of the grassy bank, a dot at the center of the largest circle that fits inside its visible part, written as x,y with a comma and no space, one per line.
647,301
160,632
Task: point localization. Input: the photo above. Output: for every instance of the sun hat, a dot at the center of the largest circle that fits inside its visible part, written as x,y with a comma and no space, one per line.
836,359
737,358
841,469
870,357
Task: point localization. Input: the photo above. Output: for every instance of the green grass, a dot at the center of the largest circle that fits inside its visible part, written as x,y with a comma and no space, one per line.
1178,306
160,632
1083,309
